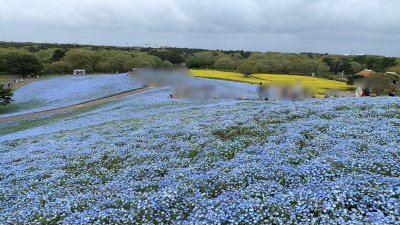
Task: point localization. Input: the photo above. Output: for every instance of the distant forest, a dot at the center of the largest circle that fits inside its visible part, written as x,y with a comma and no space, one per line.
46,59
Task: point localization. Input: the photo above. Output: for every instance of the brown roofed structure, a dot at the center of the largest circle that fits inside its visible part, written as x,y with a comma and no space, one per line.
366,73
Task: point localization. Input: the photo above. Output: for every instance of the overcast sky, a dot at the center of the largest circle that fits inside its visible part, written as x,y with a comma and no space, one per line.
332,26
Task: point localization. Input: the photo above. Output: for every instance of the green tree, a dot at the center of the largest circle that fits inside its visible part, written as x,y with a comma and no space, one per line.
194,62
370,62
269,66
329,61
245,54
5,96
78,59
247,69
346,66
201,60
224,64
361,59
57,55
58,67
386,62
257,56
175,58
276,66
132,63
102,67
97,57
323,69
356,67
3,62
150,61
44,55
394,69
237,57
23,63
166,63
297,66
172,57
263,67
334,63
114,65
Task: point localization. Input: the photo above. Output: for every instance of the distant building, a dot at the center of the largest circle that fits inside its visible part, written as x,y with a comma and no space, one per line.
366,73
79,72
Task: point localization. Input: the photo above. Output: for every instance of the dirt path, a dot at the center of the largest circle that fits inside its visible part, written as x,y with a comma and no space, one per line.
77,106
346,94
14,81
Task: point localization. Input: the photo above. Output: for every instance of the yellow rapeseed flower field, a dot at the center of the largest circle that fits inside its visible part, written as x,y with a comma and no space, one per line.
319,83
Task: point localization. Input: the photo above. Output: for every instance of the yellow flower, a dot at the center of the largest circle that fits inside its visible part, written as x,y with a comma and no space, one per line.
319,83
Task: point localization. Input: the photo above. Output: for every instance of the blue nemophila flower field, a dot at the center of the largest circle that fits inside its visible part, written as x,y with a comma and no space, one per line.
65,91
148,159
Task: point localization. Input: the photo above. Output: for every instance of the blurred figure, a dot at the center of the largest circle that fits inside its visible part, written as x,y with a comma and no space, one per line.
161,77
369,87
205,90
260,90
392,88
358,91
360,84
287,91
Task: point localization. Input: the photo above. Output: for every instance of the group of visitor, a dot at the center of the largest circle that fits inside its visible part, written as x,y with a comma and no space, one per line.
364,92
273,92
36,76
279,91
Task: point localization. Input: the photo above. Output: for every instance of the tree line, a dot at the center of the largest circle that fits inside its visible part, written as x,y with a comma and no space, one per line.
27,58
47,58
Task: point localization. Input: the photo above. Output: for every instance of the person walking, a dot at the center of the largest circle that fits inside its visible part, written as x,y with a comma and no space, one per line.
392,88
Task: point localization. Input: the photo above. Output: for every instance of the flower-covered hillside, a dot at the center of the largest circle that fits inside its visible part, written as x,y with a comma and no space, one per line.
149,159
65,91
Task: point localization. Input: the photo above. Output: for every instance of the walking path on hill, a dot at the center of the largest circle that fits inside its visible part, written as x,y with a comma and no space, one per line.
77,106
15,80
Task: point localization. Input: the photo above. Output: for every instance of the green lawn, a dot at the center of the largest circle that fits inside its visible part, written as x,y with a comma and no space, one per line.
3,79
